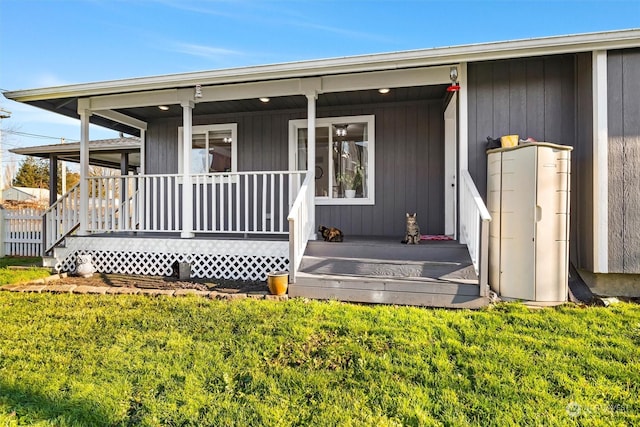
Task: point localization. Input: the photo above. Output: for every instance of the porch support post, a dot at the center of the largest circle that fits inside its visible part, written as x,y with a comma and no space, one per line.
124,163
85,114
312,96
53,179
187,188
143,137
124,184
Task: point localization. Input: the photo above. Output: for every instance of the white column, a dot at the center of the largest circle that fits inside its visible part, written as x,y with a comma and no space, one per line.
463,118
187,188
311,153
85,114
600,164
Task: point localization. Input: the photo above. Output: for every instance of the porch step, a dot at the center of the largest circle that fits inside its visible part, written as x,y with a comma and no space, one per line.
49,261
387,291
389,249
384,271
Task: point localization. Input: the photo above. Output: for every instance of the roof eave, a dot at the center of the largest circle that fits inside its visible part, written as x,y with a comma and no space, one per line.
352,64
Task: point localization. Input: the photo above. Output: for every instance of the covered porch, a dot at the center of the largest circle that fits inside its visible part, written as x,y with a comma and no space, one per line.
250,169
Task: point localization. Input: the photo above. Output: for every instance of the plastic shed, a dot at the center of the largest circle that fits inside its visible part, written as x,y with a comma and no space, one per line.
528,190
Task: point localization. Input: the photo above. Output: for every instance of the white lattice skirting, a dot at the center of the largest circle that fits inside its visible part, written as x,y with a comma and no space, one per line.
220,259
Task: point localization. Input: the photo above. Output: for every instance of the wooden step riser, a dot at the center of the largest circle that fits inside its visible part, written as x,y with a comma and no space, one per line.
436,252
388,297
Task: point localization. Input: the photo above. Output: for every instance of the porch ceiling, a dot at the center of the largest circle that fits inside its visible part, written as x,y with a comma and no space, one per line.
433,92
69,106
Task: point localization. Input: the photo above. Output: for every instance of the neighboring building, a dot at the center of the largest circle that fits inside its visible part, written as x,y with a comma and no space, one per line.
225,154
26,194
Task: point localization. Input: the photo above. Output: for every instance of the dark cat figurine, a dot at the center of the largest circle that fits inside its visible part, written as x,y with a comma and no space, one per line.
331,234
413,230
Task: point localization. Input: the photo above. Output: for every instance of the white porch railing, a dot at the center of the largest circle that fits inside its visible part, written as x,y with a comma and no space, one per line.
474,228
239,202
300,226
61,219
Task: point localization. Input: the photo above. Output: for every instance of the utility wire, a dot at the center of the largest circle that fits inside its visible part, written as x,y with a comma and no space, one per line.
33,135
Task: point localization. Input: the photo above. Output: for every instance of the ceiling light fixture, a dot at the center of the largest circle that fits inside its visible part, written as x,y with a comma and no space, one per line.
265,99
163,107
384,90
341,130
227,140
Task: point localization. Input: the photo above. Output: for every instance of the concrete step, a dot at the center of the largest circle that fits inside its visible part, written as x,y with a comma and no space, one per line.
49,261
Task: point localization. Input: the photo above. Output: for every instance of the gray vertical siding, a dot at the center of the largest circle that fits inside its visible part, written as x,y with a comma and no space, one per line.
409,161
581,244
546,98
409,171
529,97
624,160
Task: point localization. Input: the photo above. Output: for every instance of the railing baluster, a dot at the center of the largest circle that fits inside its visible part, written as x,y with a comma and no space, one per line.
237,187
246,202
229,203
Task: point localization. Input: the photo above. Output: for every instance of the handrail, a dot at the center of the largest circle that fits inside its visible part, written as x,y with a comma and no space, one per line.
474,228
300,226
60,219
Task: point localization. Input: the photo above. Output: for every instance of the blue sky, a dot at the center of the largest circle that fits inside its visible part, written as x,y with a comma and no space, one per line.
54,42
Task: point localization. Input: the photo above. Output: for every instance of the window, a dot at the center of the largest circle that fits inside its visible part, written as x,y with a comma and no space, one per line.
344,171
214,148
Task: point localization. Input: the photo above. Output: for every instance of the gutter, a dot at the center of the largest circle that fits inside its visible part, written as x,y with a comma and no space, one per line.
344,65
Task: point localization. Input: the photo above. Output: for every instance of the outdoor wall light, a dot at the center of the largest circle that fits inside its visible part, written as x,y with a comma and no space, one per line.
384,90
453,74
265,99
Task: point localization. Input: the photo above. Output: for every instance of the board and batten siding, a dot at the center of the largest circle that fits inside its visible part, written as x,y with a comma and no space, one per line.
623,86
409,155
546,98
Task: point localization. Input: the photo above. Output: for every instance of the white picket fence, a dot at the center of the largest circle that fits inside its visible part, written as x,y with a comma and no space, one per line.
21,232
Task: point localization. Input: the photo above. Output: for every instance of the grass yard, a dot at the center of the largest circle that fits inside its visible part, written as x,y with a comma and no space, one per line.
133,360
23,275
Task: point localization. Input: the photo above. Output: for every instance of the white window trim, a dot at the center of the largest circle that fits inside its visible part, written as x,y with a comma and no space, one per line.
233,127
294,125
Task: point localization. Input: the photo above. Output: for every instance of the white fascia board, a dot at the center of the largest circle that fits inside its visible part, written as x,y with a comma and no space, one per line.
121,118
362,63
390,79
136,99
271,88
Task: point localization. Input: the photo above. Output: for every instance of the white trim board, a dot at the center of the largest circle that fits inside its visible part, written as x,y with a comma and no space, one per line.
600,164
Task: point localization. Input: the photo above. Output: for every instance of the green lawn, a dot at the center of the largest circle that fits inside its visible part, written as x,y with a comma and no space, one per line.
17,276
134,360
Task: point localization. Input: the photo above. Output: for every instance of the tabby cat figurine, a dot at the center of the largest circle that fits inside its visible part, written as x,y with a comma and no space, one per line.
413,230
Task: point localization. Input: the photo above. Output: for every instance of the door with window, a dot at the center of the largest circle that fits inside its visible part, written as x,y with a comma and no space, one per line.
344,164
214,148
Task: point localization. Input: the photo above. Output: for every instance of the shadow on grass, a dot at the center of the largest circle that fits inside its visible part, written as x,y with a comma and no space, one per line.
29,406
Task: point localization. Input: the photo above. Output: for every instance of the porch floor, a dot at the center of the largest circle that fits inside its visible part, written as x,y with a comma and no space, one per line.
382,270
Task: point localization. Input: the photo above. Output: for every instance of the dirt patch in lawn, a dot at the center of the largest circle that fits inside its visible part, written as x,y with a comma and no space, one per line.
159,282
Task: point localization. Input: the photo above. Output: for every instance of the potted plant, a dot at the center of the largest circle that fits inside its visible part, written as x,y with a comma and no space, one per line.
350,181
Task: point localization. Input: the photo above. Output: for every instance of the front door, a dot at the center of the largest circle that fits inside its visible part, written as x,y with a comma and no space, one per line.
450,181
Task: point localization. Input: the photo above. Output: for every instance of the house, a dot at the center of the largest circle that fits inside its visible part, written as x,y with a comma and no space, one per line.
25,194
228,181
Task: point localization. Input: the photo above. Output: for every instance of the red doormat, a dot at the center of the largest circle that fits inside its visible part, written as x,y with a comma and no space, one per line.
435,237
